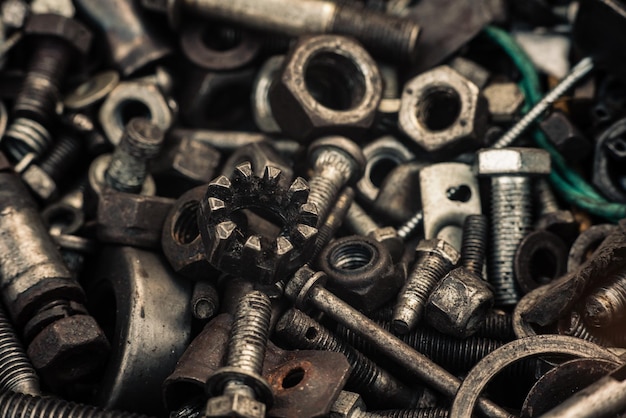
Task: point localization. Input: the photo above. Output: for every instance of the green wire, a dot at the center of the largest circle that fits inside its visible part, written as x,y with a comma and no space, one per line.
568,183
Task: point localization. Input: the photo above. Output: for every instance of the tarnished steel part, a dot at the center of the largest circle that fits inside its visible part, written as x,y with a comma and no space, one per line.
134,41
586,243
562,381
449,193
493,363
395,204
559,296
540,258
149,331
305,383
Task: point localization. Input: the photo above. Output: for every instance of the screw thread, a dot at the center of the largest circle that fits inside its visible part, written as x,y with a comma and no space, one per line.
17,405
576,74
575,327
412,413
333,221
511,221
26,135
426,273
383,35
324,192
498,326
545,196
474,243
16,372
607,303
304,333
410,226
63,154
249,333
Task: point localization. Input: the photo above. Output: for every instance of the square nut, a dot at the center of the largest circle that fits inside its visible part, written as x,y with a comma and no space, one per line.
235,406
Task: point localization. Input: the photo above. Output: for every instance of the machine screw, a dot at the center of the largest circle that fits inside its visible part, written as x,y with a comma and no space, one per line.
14,405
205,302
36,103
128,167
240,384
511,171
333,221
304,333
336,162
361,223
435,258
387,36
350,405
61,158
305,291
411,226
16,372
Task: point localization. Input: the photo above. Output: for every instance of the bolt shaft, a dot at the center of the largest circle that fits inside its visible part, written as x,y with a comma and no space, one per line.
65,152
607,303
303,332
359,221
333,221
408,413
511,221
415,363
205,302
474,244
575,75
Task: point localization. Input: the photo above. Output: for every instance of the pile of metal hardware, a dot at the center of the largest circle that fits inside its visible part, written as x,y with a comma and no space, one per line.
312,208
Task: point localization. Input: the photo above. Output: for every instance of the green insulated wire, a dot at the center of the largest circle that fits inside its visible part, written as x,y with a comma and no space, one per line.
566,181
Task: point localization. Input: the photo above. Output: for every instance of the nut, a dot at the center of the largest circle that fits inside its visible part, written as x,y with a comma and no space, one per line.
346,405
439,247
69,348
131,219
67,29
388,237
458,304
235,405
565,136
523,161
261,154
443,112
505,100
329,85
261,108
360,271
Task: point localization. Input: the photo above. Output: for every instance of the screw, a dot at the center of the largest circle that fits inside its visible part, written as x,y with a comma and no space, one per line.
205,302
14,405
411,226
552,218
128,167
607,303
575,75
435,258
304,333
384,35
474,244
333,221
497,325
361,223
336,162
241,381
65,152
36,103
16,372
350,405
305,291
414,413
510,170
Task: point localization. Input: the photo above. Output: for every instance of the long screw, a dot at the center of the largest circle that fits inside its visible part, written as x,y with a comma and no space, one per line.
410,226
333,221
305,290
575,75
304,333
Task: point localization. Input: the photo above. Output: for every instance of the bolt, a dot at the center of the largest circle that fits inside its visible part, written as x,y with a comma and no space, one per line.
458,304
15,405
361,223
350,405
387,36
577,72
240,384
414,413
497,325
435,258
333,221
305,291
128,167
552,218
65,152
511,171
304,333
607,303
36,103
16,371
336,162
205,302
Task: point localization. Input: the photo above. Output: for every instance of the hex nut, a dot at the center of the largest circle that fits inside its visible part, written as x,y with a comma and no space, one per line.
346,404
565,136
261,108
443,112
388,237
440,248
69,348
234,405
458,304
329,85
510,161
77,35
505,100
360,271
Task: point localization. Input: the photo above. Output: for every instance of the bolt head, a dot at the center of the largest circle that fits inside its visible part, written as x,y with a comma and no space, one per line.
235,406
440,248
346,404
388,236
302,281
349,150
511,161
458,304
77,35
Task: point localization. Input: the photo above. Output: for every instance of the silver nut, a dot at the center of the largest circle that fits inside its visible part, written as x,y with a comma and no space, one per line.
523,161
443,112
505,101
235,406
346,404
261,109
439,247
458,304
